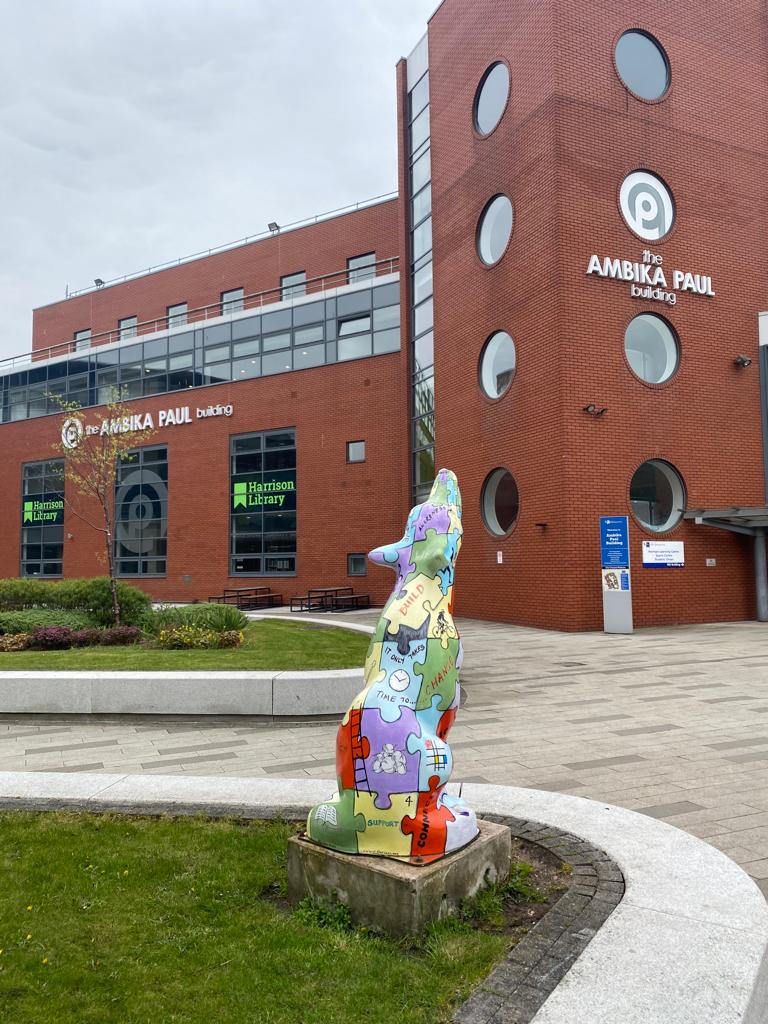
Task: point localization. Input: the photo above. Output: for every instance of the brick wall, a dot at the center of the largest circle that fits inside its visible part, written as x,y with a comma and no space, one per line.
319,249
570,133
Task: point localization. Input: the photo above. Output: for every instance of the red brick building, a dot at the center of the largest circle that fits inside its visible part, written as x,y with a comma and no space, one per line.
577,251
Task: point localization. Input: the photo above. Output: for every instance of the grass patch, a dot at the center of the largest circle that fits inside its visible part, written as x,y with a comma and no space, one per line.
113,920
269,644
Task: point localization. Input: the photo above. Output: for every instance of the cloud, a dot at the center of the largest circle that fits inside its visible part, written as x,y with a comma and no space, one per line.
132,133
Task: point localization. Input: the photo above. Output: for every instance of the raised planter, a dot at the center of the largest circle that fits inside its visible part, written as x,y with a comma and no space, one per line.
272,694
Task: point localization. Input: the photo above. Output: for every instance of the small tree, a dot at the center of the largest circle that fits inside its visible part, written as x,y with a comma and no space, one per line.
92,451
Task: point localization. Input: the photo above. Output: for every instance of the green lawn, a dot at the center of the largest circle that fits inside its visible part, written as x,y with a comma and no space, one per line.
269,644
110,920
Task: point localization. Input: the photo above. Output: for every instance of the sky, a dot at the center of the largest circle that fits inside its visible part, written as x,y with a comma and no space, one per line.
133,132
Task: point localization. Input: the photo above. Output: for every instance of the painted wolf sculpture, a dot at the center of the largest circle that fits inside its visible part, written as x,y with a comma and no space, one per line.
392,758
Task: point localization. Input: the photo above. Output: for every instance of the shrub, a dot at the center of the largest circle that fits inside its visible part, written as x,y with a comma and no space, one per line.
187,637
217,617
91,596
231,638
14,641
87,637
120,636
51,638
35,618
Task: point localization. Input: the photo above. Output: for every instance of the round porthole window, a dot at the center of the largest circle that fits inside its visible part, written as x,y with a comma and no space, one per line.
642,65
647,205
494,229
491,97
500,502
497,364
657,495
651,348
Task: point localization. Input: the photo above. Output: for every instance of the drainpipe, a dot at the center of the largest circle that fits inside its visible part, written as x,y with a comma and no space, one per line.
761,575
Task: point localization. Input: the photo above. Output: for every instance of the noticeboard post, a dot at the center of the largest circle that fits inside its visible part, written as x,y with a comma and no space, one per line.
616,573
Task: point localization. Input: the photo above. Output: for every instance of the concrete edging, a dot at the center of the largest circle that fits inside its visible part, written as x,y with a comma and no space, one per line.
687,944
271,694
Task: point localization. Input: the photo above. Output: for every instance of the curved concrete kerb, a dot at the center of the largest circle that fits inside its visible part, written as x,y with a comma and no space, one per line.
687,944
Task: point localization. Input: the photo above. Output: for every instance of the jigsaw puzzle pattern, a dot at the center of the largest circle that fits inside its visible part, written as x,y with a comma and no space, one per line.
392,756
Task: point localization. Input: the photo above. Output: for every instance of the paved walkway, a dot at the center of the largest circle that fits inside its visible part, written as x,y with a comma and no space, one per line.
671,722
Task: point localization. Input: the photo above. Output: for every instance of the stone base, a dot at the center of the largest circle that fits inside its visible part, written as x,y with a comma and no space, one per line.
395,897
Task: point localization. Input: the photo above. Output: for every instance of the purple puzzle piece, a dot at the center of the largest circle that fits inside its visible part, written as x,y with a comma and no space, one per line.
389,767
432,518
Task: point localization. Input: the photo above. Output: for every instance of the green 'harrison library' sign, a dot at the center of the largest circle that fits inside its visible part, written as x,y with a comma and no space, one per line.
45,510
257,492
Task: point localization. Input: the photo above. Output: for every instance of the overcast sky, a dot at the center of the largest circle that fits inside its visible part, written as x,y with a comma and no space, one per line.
136,131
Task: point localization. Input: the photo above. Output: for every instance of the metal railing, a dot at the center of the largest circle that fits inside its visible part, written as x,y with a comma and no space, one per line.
293,226
252,302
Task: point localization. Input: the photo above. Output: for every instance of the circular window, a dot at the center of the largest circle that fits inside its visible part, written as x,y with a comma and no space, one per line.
657,495
497,364
647,205
491,97
642,65
500,502
651,348
494,230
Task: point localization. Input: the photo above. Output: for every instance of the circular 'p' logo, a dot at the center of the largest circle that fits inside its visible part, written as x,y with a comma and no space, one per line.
647,205
72,432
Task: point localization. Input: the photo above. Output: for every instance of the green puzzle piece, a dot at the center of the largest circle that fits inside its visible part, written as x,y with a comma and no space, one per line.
335,824
438,674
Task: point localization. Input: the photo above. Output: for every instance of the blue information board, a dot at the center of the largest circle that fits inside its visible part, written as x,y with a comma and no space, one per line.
614,542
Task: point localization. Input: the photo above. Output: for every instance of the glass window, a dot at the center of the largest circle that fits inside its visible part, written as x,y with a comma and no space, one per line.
313,355
421,205
420,130
354,348
276,341
419,96
422,283
647,205
280,320
421,172
355,451
356,302
494,229
82,339
354,325
500,502
248,328
177,315
42,518
361,268
356,565
386,341
491,97
309,334
657,495
422,238
128,327
242,369
497,364
246,348
386,295
293,285
276,362
308,313
423,317
423,352
141,512
263,504
216,334
232,301
642,65
652,348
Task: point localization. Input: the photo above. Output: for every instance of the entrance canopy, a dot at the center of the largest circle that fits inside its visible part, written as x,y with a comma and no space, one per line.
752,521
735,518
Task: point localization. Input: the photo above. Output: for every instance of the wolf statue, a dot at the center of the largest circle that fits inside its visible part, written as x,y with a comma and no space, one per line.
392,758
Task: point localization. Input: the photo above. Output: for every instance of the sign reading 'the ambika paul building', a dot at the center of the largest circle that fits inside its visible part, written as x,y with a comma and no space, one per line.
648,278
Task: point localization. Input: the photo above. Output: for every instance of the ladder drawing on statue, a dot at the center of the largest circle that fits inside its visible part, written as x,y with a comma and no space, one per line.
362,785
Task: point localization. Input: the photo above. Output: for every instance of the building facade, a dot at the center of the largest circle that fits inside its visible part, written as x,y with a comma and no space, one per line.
560,305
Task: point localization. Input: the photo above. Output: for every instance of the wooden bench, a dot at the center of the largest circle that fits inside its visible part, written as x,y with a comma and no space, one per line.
346,602
247,598
317,599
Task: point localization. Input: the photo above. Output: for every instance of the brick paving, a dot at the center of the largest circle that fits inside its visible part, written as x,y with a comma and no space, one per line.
669,722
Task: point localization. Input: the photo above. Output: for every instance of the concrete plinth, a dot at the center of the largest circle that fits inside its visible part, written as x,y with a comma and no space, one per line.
392,896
